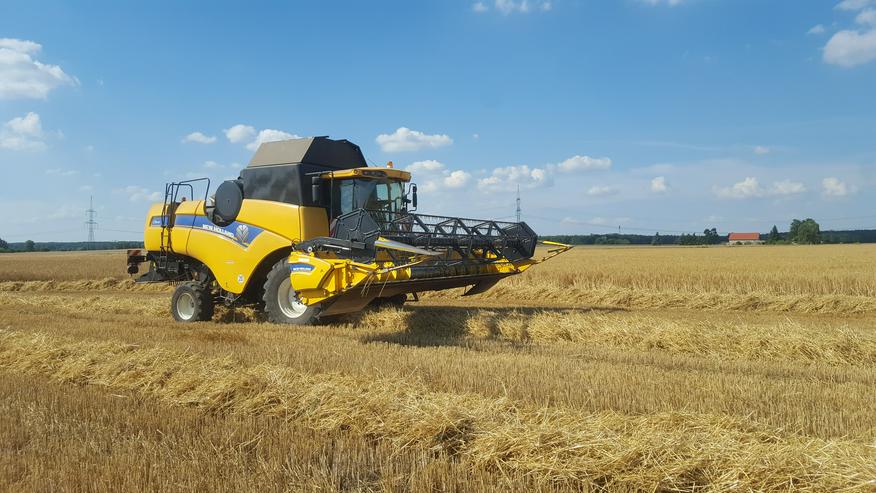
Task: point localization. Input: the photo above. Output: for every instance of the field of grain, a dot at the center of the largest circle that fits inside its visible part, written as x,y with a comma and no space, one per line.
606,369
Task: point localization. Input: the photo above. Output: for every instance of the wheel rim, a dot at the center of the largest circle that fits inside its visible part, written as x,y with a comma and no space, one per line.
288,300
185,306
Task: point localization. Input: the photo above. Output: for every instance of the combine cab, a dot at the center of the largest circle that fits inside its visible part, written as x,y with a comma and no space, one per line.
310,230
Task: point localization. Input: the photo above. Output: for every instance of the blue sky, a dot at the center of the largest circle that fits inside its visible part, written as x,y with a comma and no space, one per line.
648,115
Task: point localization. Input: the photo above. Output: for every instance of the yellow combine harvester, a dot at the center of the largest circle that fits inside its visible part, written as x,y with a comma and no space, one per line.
310,230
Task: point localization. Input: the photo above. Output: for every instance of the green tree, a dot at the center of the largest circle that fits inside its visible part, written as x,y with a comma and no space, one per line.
808,232
795,227
3,244
29,245
656,239
773,237
711,237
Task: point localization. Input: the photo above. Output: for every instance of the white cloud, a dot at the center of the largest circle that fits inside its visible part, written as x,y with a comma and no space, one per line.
787,187
405,139
746,188
20,45
761,150
23,133
239,133
61,172
22,77
580,163
139,194
212,165
480,7
601,191
816,29
750,187
86,188
833,187
457,179
199,138
270,135
866,17
509,177
671,3
435,175
854,4
659,185
428,165
851,48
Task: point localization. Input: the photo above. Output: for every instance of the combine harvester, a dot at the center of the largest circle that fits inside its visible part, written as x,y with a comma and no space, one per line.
310,230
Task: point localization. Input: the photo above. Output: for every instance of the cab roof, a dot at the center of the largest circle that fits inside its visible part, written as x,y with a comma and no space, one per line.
368,172
320,151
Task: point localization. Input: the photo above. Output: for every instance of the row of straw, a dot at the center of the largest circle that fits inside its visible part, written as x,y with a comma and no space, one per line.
668,451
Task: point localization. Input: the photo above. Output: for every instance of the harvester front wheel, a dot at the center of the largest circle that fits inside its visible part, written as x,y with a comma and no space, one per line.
191,302
281,302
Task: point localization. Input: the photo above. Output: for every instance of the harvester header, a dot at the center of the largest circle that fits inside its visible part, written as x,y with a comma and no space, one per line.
309,230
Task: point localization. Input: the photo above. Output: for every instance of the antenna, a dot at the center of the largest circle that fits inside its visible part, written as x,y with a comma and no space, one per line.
90,222
518,203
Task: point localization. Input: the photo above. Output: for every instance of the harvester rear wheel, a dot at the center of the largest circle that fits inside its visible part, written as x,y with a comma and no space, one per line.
281,302
191,302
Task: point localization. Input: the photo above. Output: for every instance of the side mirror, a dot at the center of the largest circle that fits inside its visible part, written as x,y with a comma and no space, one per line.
315,189
414,195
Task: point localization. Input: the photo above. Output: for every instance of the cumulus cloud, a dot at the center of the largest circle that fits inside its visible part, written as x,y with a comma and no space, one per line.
405,139
23,77
434,175
508,178
834,187
786,187
659,185
480,7
850,48
270,135
750,187
139,194
199,138
761,150
581,163
23,133
457,179
239,133
854,4
816,29
867,17
425,166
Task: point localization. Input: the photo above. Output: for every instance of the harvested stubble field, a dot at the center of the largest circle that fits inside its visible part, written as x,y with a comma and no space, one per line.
616,369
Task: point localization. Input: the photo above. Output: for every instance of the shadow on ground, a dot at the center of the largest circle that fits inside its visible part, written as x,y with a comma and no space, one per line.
472,328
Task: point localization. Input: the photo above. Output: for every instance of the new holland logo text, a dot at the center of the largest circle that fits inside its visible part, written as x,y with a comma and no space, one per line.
218,230
300,268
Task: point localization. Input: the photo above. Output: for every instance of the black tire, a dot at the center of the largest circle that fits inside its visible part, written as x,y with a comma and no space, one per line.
281,306
191,302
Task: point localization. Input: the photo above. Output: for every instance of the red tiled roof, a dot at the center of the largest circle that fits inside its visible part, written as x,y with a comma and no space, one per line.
744,237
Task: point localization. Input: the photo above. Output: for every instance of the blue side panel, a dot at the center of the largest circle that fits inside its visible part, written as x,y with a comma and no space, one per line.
241,233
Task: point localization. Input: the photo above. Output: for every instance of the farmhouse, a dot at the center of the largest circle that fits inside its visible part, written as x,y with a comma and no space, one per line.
744,239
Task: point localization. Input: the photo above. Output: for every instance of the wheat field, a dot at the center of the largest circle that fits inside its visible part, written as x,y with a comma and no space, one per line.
605,369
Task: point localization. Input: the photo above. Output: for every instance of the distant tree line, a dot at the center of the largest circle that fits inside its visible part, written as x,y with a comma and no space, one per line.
63,246
801,231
